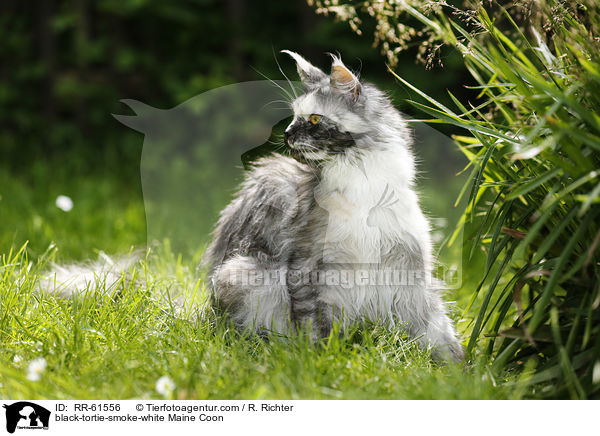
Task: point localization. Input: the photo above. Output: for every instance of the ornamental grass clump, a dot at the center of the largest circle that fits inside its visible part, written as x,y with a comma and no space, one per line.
532,138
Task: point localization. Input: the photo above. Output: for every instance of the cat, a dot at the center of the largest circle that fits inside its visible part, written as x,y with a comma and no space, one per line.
331,232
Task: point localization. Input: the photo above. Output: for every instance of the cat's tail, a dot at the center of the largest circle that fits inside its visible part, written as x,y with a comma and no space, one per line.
104,275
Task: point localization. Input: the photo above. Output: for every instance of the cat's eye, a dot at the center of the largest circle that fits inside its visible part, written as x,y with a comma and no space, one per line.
314,118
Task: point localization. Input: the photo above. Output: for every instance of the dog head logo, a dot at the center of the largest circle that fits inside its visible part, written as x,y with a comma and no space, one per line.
26,415
190,160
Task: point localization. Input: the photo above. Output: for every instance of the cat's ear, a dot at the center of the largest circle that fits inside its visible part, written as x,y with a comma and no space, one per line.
342,79
309,74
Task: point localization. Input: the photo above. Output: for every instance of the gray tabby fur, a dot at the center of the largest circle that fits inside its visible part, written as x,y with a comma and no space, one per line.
345,204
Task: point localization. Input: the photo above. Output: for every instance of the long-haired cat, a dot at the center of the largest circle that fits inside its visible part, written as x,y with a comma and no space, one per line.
334,233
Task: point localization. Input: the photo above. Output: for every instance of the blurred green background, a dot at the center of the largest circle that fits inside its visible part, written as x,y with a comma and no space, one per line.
66,64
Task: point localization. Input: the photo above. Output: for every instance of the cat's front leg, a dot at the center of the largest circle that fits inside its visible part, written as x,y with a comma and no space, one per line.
418,301
434,328
309,313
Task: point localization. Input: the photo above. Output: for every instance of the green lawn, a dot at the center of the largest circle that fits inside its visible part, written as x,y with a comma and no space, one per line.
109,346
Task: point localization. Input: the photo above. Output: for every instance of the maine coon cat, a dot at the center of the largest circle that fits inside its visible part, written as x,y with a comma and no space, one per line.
331,234
334,233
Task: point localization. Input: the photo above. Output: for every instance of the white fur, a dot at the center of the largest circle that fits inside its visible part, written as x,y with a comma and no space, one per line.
349,192
104,276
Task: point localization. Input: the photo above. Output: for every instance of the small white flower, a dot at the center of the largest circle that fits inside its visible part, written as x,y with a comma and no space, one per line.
36,369
64,203
17,359
165,386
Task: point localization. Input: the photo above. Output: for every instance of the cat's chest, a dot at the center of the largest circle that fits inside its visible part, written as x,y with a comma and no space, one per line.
340,207
344,209
358,212
346,233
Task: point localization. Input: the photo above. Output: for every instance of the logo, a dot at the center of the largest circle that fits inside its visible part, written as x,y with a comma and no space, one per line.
26,415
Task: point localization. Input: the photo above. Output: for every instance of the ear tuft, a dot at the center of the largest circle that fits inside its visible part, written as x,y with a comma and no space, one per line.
309,74
342,78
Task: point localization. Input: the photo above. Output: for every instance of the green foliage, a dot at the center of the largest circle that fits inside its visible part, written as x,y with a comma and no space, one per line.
534,148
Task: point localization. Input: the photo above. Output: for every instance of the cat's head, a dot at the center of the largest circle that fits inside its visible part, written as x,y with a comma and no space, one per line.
338,116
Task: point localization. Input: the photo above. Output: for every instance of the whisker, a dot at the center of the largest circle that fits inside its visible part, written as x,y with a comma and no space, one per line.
287,94
284,75
287,106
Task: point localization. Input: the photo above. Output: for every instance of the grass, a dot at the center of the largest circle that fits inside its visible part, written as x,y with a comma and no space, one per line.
104,346
107,346
108,212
